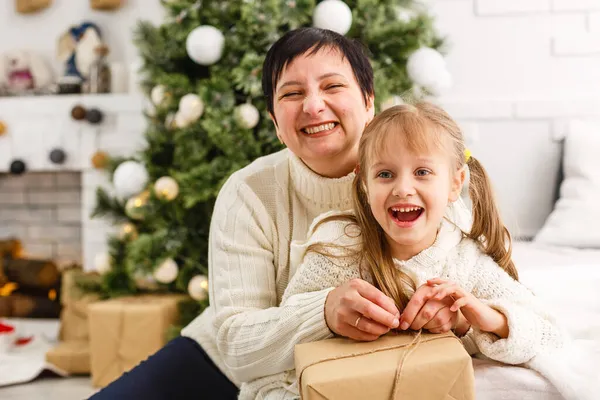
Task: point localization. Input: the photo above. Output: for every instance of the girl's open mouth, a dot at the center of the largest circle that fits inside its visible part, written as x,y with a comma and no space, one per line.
405,216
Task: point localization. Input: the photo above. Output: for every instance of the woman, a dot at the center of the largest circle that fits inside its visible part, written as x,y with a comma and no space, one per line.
319,90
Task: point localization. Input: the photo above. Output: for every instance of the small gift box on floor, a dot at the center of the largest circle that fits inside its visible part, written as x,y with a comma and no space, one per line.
72,356
396,366
126,331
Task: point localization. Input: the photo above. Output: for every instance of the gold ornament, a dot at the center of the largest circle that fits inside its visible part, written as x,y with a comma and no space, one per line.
128,231
166,188
2,128
135,208
100,160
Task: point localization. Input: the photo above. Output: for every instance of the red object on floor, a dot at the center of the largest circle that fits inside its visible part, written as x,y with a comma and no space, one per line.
23,340
6,328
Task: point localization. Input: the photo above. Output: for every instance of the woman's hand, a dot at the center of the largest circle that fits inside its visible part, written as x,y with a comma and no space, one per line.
360,311
423,312
475,311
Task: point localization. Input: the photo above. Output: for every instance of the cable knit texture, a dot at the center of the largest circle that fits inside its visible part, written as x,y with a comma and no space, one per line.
534,334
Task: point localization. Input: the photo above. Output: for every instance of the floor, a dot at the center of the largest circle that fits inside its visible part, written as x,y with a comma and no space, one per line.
50,388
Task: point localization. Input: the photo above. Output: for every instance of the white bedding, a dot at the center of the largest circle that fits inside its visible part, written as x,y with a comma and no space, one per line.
567,280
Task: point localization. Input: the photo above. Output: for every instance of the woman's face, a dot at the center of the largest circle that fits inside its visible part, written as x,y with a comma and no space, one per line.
320,112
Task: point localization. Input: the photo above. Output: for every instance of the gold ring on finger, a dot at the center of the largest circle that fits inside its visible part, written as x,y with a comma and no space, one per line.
357,321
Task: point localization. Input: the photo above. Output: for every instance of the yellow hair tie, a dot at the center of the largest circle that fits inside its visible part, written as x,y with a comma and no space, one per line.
467,155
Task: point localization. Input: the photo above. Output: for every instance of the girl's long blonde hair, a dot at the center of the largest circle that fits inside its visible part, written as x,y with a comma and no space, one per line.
420,127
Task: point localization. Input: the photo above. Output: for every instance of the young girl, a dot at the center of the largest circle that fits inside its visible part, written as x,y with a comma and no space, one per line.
400,237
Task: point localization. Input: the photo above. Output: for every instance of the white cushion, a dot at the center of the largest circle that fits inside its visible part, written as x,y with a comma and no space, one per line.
575,220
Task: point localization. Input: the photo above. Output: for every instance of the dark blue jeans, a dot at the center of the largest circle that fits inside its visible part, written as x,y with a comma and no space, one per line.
180,370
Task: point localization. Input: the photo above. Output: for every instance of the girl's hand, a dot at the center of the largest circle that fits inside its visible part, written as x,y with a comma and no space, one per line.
475,311
423,312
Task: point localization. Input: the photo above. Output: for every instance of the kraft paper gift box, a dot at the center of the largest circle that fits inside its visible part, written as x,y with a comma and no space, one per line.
71,356
74,315
126,331
434,367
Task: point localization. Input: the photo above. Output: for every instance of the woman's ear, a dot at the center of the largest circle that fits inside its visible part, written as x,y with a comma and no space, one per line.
458,180
276,128
370,108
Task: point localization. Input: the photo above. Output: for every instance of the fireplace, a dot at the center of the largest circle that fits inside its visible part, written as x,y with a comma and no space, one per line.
49,206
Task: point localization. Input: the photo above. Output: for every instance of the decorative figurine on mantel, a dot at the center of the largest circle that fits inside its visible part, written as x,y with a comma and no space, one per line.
77,49
24,72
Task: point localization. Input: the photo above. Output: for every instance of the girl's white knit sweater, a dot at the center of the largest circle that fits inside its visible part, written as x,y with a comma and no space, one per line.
535,340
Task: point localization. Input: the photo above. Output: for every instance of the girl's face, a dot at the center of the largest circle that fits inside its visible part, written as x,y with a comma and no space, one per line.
408,194
320,112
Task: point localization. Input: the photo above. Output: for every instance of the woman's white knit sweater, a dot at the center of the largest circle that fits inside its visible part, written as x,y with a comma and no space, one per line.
260,210
534,338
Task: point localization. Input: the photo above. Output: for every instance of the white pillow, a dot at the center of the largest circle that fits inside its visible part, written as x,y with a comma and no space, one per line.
575,220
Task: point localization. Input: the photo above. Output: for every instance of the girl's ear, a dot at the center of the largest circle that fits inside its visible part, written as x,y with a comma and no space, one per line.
458,180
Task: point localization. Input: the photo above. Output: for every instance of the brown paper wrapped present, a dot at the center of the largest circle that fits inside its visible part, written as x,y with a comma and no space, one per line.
74,315
71,356
70,292
432,367
74,319
125,331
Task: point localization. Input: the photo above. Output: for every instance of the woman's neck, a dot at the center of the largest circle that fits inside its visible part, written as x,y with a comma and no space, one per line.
335,167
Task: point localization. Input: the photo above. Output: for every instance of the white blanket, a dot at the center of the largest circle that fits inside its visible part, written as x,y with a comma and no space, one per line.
567,280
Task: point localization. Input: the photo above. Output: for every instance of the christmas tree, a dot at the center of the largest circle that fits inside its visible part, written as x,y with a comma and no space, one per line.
202,72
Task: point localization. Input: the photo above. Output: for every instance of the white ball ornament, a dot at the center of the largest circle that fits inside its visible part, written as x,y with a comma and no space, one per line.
425,66
191,107
103,262
247,115
166,188
334,15
205,45
167,271
444,82
198,287
130,178
180,121
157,94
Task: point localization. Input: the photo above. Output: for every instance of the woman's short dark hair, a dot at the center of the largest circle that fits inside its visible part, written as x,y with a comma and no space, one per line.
303,40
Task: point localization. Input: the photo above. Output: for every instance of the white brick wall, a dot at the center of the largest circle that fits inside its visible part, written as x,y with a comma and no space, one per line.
575,5
495,7
522,70
502,54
